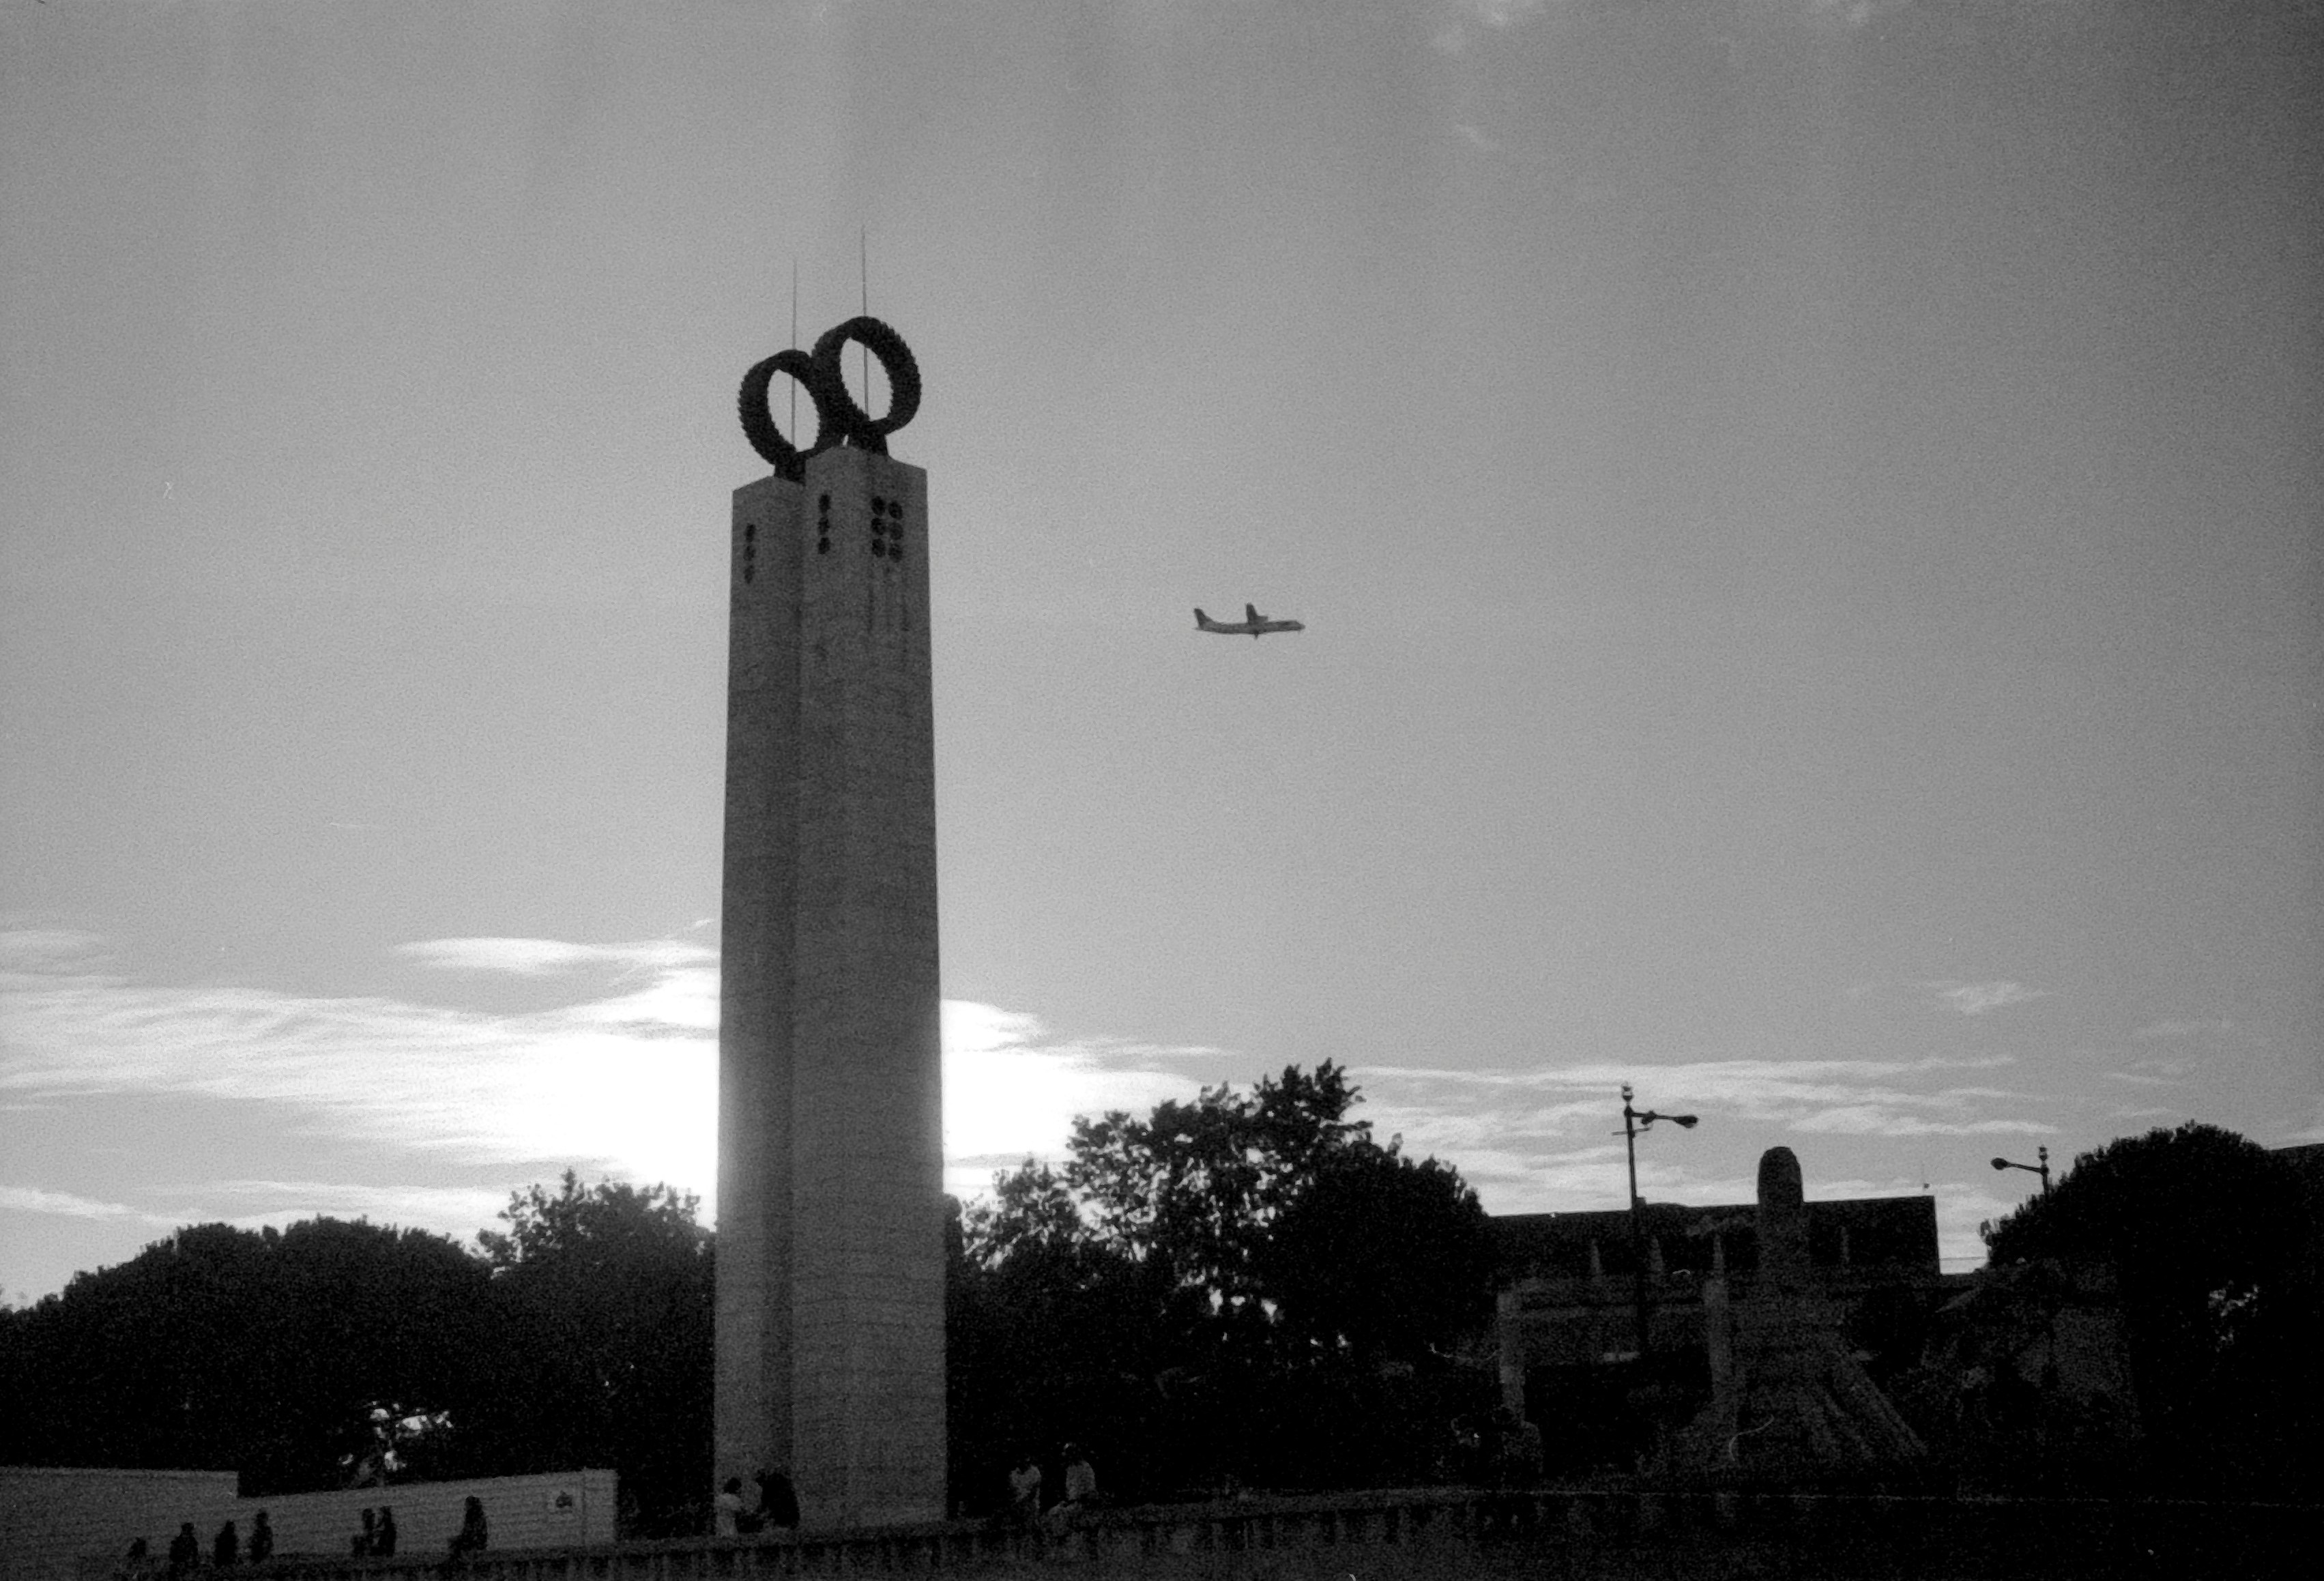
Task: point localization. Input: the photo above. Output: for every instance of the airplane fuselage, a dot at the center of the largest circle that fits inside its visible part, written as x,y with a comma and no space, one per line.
1253,625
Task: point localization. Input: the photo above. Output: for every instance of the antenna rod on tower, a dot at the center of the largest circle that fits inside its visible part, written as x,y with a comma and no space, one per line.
864,278
794,346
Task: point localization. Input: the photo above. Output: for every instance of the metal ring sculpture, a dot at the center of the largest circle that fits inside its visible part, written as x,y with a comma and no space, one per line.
838,420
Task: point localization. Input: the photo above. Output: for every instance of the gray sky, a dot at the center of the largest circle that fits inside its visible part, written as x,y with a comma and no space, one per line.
1806,516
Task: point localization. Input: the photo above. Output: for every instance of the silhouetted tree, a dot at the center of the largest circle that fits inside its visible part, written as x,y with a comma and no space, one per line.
331,1354
1381,1256
2213,1247
296,1356
1198,1186
1246,1284
602,1297
1051,1337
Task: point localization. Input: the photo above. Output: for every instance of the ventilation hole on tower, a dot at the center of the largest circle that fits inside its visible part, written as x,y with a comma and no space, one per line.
823,546
747,573
749,533
823,501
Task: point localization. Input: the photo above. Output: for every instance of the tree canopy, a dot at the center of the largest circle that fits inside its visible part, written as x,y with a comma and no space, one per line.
1246,1285
603,1299
2212,1243
294,1355
332,1354
1243,1285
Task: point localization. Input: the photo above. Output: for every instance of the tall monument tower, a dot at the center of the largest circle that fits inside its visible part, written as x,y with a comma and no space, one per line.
830,1299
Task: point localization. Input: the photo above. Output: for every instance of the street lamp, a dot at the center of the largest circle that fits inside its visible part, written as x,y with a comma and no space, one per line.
2041,1169
1633,1122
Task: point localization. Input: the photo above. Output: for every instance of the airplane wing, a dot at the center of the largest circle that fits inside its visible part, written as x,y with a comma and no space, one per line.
1253,625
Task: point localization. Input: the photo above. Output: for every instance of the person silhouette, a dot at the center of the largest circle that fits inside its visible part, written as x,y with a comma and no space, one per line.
261,1539
777,1500
470,1539
1025,1490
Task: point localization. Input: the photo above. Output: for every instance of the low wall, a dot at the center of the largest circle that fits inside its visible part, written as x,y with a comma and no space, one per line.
553,1510
1427,1534
50,1515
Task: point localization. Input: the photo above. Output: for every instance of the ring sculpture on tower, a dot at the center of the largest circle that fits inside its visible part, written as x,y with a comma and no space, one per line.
838,420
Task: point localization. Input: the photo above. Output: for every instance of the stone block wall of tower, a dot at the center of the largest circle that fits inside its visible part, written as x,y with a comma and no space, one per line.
830,1317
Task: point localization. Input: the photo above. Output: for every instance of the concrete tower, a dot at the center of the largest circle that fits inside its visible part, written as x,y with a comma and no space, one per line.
830,1301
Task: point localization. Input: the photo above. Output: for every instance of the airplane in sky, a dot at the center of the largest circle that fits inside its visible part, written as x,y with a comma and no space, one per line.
1252,625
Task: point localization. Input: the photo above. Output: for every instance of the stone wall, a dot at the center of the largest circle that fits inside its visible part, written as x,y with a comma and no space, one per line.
50,1515
59,1522
1430,1533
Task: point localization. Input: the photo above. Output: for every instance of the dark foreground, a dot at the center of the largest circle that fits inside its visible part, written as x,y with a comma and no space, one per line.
1554,1535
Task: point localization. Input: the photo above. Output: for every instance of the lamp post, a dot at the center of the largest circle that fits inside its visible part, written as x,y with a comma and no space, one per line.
2041,1169
1633,1122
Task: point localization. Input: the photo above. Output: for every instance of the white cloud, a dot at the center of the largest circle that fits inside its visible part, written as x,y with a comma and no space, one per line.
1976,998
65,1204
278,1202
1462,19
623,1079
1849,14
1012,1089
34,947
1547,1134
2179,1031
2313,1130
1873,1120
1501,14
1771,1089
454,1211
541,958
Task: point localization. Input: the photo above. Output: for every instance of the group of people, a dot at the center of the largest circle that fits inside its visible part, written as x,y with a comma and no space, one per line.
1026,1509
377,1538
772,1505
226,1551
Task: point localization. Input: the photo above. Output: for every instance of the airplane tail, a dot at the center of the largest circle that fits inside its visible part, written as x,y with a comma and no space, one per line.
1250,613
1202,620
